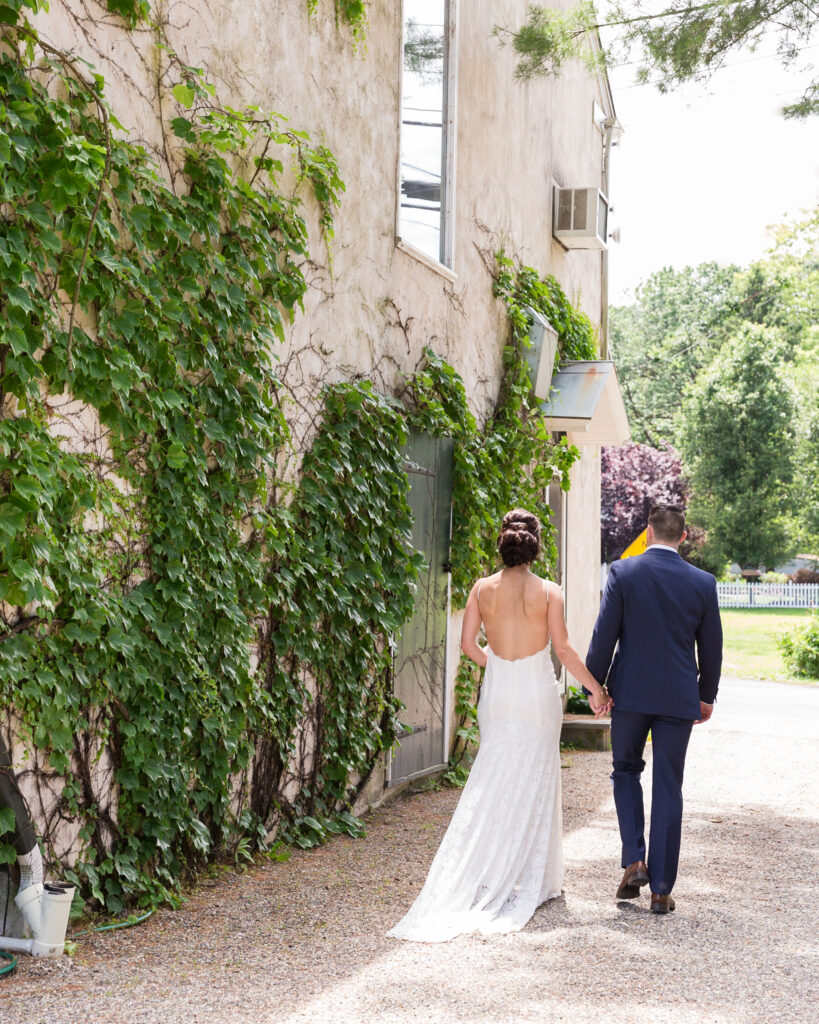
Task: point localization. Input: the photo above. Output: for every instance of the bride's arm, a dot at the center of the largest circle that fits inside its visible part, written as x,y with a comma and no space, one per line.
568,656
471,628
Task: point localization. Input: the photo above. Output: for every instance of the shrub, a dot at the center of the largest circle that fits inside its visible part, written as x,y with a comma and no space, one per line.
800,648
578,703
805,576
773,577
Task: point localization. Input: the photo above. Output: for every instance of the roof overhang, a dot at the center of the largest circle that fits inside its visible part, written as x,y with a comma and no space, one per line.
586,403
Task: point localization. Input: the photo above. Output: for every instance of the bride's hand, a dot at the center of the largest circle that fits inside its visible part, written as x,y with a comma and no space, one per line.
600,702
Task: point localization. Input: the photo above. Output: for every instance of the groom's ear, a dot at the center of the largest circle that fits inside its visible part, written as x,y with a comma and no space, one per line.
684,535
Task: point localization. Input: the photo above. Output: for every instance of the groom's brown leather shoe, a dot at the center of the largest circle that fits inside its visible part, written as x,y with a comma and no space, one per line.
662,903
636,875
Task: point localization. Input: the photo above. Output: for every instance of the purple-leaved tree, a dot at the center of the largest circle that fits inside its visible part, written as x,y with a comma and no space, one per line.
635,477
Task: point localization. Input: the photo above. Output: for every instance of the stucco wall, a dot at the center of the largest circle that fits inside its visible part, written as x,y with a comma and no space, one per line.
583,549
513,141
380,306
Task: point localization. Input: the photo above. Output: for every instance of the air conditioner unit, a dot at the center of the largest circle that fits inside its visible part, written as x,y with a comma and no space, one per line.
580,218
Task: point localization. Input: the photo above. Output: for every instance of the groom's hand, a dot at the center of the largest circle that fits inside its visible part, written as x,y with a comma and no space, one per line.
705,712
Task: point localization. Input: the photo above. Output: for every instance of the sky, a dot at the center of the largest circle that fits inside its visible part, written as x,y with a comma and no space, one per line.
701,173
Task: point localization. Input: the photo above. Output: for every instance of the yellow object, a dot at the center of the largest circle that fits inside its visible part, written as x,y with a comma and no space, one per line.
637,546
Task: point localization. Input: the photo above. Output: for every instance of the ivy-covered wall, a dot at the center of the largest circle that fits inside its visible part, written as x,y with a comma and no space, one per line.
203,520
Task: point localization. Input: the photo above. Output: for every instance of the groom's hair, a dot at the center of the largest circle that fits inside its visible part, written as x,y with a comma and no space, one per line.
668,522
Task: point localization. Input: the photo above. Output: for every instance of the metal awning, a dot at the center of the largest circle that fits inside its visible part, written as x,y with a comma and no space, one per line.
586,403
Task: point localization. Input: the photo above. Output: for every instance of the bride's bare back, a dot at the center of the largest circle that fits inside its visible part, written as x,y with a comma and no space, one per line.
521,613
514,608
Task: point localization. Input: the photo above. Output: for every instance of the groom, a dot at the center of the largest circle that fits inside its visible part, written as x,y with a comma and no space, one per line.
664,615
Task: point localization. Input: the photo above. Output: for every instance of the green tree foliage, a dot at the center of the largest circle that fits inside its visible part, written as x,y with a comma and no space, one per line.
424,51
805,528
677,324
678,41
682,320
737,442
796,257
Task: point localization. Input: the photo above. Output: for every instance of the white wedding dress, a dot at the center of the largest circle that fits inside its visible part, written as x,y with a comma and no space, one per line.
502,854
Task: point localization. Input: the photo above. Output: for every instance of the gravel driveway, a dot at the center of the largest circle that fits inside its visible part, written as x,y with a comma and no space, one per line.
304,941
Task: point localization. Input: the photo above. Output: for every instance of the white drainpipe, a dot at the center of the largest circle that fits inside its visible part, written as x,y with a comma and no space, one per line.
45,909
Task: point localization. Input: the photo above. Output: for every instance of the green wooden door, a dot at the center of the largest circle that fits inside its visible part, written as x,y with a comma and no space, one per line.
420,655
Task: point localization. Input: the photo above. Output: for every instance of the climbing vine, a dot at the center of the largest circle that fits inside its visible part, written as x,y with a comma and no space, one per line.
157,523
132,11
508,463
352,13
522,286
341,584
513,458
140,423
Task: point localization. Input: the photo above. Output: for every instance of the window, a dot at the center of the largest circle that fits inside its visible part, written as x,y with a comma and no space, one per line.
427,135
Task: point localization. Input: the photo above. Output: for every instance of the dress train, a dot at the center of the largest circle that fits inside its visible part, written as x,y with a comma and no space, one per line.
502,854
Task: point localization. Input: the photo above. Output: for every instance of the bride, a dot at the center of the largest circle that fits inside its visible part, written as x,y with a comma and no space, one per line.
501,856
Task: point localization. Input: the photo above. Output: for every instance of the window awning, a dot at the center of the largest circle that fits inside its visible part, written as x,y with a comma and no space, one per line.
586,402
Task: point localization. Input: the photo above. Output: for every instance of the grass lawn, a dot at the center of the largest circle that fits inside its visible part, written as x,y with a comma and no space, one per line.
750,642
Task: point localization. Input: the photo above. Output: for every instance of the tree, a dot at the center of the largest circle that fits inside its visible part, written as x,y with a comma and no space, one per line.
423,51
633,478
794,267
677,324
737,438
680,42
682,320
806,519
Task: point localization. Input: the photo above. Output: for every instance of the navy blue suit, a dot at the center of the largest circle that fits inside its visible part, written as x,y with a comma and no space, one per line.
662,615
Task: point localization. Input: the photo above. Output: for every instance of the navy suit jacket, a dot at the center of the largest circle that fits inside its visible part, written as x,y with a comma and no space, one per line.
662,615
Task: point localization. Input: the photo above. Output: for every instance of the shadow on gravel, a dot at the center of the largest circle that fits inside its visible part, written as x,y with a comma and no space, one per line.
742,940
305,940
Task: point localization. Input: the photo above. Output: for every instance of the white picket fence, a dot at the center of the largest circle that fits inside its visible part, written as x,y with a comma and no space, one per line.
768,595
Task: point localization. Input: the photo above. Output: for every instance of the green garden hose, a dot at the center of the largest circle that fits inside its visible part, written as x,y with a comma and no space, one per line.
11,966
129,923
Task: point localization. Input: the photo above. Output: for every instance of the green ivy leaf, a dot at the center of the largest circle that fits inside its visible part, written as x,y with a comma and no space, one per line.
12,519
177,456
7,821
183,129
184,95
23,571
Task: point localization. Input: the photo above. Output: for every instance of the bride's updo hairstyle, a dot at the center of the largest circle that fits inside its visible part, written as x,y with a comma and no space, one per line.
519,540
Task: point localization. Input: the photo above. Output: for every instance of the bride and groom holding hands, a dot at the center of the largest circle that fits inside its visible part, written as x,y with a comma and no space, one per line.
501,856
